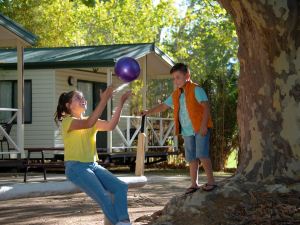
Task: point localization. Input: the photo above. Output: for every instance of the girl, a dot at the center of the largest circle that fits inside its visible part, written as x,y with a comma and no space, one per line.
79,135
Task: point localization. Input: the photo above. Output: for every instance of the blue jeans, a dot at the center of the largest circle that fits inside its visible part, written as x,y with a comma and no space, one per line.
99,184
196,146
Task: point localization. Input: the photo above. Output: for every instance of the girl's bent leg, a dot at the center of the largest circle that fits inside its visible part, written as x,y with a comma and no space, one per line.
119,189
83,176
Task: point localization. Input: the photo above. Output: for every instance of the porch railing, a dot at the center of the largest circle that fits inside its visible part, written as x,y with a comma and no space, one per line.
3,132
159,133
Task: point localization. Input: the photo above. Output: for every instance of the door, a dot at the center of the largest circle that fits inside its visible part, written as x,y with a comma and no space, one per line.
90,91
102,135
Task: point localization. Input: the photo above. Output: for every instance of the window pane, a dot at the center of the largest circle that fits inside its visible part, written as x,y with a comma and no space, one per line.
27,99
28,102
87,89
5,100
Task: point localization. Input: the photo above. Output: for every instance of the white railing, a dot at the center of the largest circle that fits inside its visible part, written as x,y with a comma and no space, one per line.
159,132
4,133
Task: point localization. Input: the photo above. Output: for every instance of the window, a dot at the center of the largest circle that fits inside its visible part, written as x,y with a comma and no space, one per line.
9,99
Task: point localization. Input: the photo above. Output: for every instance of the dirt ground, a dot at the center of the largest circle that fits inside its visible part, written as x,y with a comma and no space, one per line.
79,209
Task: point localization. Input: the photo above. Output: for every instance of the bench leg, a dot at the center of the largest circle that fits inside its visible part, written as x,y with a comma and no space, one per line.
25,174
45,176
44,169
27,167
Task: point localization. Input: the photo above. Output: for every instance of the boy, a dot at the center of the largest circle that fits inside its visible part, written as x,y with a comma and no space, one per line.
192,120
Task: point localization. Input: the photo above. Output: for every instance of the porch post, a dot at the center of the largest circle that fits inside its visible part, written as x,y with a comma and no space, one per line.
20,114
175,147
109,107
144,90
144,94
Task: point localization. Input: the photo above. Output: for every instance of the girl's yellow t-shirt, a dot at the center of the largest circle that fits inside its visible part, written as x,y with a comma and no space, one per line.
79,145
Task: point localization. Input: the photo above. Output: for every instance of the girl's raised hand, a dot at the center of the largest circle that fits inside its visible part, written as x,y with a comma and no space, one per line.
125,96
107,94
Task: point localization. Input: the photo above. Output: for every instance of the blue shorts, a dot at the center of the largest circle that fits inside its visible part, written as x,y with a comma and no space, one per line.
196,146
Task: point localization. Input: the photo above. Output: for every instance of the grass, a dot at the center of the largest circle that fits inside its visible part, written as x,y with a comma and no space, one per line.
232,160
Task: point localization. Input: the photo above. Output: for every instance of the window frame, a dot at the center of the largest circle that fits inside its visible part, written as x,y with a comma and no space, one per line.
13,102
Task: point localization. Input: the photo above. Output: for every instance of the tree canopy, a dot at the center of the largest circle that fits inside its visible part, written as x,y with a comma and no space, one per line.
69,23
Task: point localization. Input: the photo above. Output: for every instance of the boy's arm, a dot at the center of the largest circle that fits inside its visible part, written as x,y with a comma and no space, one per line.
206,113
156,109
203,101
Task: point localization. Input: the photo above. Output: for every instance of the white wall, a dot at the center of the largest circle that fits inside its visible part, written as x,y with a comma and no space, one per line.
39,132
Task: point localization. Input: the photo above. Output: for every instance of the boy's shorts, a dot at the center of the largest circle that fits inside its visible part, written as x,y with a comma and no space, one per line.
196,146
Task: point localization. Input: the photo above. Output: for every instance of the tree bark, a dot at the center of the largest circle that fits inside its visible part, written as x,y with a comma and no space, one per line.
269,88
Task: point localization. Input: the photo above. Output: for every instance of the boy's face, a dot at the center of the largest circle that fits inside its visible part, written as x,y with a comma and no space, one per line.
179,78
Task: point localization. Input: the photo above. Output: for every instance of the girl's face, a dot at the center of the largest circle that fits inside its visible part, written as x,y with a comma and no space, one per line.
179,78
78,104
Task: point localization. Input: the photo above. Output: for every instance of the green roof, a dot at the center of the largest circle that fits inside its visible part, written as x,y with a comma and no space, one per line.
78,57
17,29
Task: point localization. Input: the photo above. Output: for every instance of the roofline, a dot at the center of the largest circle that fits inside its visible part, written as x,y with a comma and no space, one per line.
84,64
86,46
60,65
164,56
17,29
152,45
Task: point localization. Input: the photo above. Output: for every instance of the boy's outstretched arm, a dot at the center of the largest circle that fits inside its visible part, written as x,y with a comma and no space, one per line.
104,125
156,109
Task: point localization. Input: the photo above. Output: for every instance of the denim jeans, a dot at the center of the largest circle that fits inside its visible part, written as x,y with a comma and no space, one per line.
196,146
99,184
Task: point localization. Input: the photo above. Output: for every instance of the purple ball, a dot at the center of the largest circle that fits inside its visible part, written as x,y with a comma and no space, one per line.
127,68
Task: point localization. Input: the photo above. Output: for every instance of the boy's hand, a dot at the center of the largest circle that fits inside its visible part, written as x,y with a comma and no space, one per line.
125,96
143,113
105,95
203,130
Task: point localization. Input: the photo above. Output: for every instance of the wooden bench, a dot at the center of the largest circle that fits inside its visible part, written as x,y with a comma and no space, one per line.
139,180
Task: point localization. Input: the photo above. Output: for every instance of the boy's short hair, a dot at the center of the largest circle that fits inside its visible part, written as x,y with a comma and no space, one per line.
181,67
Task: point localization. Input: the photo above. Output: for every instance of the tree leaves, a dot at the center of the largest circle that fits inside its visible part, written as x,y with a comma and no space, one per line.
87,22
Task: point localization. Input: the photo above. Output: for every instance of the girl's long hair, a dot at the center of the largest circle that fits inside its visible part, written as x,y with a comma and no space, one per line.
62,109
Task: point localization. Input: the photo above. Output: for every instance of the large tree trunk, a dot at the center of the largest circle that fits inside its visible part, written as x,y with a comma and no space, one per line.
269,87
268,118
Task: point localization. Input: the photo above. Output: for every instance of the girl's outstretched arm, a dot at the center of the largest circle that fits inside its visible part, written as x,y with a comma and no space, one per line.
78,124
104,125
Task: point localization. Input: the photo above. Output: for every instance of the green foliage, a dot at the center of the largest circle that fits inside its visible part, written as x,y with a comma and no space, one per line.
85,22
